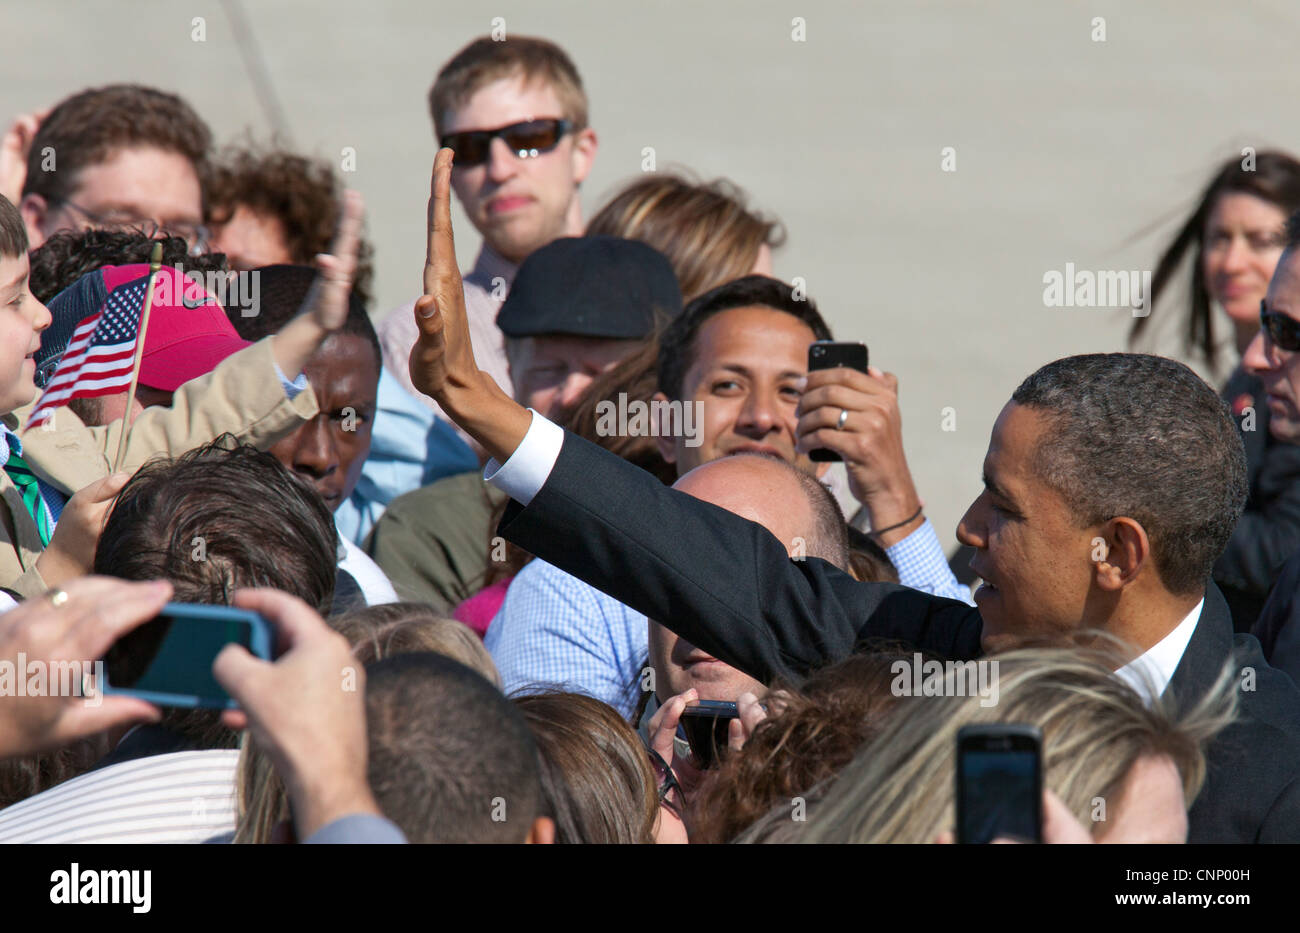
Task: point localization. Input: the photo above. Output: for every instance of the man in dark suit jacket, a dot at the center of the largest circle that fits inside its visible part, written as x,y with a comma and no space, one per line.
1112,482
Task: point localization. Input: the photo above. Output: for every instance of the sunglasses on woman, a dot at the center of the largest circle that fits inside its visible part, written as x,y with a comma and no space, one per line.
526,140
1282,330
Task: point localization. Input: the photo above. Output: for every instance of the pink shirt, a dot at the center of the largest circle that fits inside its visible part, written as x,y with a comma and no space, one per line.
480,609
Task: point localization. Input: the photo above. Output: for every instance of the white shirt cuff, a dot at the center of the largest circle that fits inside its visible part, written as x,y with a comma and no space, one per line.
526,472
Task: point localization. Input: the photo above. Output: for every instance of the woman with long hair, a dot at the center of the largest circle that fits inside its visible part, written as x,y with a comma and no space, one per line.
1235,237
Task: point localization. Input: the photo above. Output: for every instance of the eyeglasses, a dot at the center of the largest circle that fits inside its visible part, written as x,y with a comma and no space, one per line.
526,140
1282,330
667,785
195,235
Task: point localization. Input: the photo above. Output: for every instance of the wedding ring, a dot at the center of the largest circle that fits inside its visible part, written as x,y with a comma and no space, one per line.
844,416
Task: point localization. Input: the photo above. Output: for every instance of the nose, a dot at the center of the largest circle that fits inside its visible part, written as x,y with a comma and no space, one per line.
760,415
43,317
1237,257
572,388
502,163
1258,359
971,529
315,454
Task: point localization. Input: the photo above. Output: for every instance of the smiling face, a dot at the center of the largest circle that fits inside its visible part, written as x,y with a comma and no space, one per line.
1034,559
1278,369
330,450
22,318
1243,240
519,204
745,368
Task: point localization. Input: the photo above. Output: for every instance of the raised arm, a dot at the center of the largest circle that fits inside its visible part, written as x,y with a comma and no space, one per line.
722,582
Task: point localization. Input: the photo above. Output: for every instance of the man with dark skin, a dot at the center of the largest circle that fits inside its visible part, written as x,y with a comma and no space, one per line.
728,586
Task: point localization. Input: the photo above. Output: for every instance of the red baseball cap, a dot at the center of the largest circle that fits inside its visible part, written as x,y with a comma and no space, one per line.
188,332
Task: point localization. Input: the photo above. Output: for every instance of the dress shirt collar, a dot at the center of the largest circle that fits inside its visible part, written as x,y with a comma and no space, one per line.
490,265
1155,667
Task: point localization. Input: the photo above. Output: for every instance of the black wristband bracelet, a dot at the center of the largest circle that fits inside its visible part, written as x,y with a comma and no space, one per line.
911,518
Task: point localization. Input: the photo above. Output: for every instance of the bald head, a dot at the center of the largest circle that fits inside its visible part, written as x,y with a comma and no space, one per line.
786,501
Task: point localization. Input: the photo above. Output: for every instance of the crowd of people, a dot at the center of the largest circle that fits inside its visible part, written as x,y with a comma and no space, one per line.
513,536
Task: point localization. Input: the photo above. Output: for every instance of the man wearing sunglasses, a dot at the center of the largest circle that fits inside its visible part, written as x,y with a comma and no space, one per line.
1274,358
515,113
117,158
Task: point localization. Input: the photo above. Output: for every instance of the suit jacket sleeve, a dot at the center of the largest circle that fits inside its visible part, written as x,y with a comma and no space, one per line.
243,396
724,583
1268,531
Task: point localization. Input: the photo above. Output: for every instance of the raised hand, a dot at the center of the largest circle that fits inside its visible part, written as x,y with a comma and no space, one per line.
442,361
326,306
327,301
443,356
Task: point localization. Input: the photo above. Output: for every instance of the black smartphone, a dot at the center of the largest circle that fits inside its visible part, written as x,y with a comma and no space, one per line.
706,724
827,354
168,660
999,783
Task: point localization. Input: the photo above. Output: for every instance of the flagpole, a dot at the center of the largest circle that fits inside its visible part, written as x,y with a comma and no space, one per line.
155,261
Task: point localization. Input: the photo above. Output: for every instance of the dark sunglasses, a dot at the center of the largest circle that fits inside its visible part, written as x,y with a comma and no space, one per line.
1282,330
526,140
668,786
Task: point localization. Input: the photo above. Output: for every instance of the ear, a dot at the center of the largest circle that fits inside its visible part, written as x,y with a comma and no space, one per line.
35,209
542,832
1119,552
584,154
666,443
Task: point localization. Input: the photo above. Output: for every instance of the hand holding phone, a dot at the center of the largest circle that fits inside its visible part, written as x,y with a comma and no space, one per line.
168,660
827,354
707,724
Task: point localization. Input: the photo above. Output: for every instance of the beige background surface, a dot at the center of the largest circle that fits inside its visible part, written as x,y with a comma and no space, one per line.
1068,150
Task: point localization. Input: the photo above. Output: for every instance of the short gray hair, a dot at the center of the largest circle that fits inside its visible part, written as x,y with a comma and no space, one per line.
1142,436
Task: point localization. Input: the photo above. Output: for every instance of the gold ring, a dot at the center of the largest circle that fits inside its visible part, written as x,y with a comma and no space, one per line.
58,597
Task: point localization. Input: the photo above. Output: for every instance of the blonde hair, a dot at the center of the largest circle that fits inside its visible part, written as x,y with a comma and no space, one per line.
375,632
704,228
900,787
485,61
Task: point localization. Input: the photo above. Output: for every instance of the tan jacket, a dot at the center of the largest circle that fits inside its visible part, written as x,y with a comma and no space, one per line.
243,396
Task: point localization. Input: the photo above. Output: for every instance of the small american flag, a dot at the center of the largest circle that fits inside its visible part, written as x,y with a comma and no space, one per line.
99,357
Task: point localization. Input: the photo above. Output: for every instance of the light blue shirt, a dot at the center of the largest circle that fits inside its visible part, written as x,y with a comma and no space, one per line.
409,447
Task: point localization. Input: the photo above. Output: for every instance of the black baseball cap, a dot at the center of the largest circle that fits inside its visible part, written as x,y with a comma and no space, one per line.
593,286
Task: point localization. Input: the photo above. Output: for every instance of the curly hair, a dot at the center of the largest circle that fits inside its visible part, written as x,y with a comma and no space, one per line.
303,194
814,731
67,256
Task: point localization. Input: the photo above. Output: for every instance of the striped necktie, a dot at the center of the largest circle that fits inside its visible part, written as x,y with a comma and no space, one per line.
25,480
